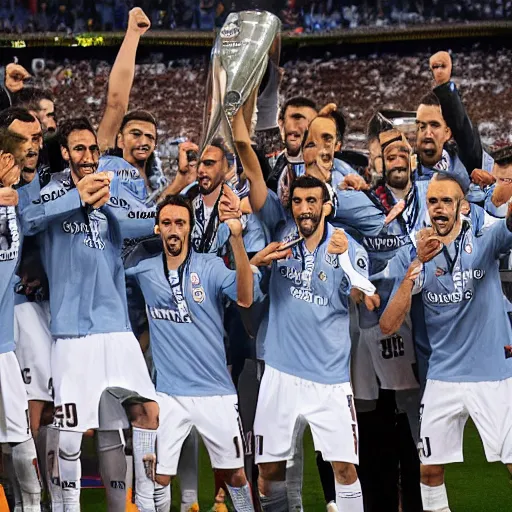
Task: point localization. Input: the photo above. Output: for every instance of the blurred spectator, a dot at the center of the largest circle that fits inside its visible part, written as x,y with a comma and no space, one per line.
42,19
63,19
21,17
298,15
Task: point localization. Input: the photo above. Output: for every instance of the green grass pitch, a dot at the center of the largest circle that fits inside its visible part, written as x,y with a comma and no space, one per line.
474,486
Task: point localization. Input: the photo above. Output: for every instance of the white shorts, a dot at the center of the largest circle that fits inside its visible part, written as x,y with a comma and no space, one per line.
384,362
328,408
445,409
83,368
14,420
33,348
215,418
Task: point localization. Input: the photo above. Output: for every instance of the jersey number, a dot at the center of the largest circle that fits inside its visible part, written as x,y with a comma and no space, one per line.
25,373
66,415
392,347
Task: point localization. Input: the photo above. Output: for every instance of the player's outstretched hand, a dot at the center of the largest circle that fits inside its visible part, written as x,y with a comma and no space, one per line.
482,178
427,245
353,182
94,189
441,66
229,205
338,243
8,196
271,253
15,75
138,22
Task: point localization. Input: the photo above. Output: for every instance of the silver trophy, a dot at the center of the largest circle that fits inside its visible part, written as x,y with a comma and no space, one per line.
239,60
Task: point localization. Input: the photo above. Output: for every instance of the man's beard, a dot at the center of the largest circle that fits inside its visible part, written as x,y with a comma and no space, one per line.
208,187
398,181
174,246
310,228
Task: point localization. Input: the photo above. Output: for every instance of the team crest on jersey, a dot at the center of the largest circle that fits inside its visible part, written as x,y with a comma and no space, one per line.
361,263
440,272
198,294
322,276
194,278
468,248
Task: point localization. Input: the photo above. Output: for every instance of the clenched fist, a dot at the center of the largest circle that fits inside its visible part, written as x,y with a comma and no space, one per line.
94,189
482,178
441,67
15,75
138,22
338,243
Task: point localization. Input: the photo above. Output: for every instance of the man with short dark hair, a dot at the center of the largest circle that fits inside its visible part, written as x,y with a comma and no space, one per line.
184,290
307,375
74,226
21,121
294,118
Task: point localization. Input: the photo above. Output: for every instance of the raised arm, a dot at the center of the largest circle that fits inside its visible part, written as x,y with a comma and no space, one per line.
454,113
121,79
258,191
244,274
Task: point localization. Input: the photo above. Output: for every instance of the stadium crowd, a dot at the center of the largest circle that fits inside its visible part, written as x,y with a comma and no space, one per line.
481,76
254,291
301,15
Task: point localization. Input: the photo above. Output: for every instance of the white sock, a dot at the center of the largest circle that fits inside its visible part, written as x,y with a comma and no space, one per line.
24,460
70,469
13,481
162,498
349,498
188,470
144,457
277,499
241,498
52,469
435,499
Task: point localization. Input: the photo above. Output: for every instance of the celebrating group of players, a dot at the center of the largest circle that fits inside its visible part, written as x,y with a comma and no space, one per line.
346,282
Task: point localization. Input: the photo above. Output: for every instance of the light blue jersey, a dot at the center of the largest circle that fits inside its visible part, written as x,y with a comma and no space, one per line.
10,250
186,315
81,254
308,326
465,315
